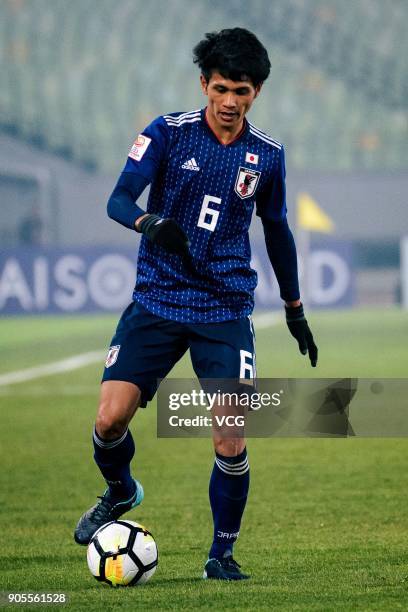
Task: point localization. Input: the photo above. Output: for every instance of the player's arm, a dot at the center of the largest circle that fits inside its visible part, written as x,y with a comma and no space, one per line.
122,204
123,208
141,168
281,248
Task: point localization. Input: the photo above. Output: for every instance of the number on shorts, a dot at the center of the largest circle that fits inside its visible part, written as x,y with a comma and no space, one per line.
246,369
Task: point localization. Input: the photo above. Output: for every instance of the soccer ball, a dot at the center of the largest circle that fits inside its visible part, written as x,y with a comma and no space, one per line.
122,553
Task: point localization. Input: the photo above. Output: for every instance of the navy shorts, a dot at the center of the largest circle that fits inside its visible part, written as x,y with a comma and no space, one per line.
145,348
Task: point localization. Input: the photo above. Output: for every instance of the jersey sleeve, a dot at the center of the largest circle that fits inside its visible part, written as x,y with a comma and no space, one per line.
148,150
271,200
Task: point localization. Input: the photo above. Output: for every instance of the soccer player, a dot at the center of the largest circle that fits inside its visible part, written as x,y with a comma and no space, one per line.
195,287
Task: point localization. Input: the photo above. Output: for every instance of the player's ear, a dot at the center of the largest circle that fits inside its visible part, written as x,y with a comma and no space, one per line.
257,90
204,84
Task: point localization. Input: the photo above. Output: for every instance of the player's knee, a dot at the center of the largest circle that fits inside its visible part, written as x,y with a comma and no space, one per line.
229,447
109,425
117,405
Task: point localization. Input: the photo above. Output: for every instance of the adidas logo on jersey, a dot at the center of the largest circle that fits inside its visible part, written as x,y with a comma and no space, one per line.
191,164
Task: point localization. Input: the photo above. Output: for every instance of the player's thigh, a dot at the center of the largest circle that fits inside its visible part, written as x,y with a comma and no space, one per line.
224,350
144,349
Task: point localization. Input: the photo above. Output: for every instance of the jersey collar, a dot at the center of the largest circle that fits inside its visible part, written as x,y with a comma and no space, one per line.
237,138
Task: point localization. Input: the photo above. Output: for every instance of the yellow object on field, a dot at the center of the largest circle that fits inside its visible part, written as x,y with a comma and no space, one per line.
311,217
114,569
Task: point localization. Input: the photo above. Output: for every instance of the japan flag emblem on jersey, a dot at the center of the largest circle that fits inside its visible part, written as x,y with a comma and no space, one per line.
251,158
247,182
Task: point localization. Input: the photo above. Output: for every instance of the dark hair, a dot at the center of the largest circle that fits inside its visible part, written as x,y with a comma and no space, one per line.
235,53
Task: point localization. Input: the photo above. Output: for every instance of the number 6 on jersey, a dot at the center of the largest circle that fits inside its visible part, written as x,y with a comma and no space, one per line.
206,210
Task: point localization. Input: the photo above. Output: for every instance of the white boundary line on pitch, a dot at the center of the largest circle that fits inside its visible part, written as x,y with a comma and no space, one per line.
261,321
48,389
48,369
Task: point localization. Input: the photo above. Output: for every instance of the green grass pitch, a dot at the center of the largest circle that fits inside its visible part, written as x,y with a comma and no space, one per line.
326,523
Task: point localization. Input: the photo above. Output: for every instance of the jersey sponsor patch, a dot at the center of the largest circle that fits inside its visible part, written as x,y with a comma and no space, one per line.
247,182
112,355
251,158
139,147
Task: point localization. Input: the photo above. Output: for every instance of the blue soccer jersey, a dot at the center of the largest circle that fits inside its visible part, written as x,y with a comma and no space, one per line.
210,189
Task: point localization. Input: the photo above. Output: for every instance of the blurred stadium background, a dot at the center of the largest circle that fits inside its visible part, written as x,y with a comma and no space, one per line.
80,79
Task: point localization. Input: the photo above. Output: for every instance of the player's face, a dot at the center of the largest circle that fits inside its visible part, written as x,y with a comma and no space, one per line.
228,101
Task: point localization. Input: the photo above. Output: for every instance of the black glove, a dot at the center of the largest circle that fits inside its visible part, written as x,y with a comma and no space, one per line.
165,233
298,327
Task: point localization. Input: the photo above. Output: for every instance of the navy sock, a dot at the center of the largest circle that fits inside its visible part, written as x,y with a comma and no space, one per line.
229,486
113,459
